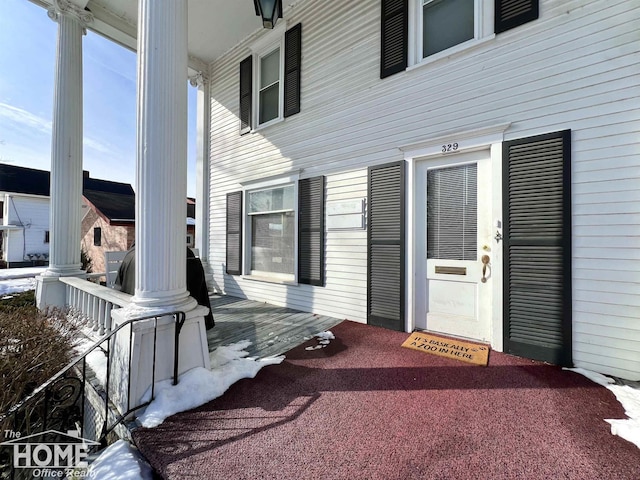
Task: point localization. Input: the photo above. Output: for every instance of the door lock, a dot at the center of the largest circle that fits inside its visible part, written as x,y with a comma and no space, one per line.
498,236
485,261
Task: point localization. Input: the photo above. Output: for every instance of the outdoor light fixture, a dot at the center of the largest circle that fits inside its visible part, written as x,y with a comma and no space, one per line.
269,10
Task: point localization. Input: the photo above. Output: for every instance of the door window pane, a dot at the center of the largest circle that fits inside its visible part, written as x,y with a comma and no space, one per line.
446,23
452,199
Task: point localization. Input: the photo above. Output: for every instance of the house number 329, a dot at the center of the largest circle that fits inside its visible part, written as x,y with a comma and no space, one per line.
449,147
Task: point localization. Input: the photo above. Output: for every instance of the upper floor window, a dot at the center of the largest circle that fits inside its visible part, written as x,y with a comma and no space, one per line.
445,24
97,236
420,31
270,79
269,86
437,26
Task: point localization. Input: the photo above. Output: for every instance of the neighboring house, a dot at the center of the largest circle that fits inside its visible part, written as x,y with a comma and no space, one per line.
24,196
465,167
108,222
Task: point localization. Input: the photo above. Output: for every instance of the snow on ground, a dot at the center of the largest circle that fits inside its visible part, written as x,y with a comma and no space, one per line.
120,461
629,397
16,280
16,285
199,385
96,360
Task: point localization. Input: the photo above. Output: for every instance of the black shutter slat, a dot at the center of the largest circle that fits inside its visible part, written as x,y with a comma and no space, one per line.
513,13
234,233
246,90
385,246
394,36
311,231
292,64
537,247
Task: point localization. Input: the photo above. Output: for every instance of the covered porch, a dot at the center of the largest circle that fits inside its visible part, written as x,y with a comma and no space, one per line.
175,42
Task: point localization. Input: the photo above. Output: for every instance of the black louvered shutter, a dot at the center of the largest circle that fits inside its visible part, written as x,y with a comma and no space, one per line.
537,247
234,233
292,62
311,231
513,13
385,246
394,36
246,72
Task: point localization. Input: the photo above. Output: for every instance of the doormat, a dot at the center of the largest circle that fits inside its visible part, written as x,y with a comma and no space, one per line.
476,353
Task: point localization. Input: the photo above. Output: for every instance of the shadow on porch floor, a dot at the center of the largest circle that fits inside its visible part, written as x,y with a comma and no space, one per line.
272,330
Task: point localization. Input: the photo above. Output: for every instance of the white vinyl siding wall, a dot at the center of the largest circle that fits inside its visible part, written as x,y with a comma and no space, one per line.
32,213
574,68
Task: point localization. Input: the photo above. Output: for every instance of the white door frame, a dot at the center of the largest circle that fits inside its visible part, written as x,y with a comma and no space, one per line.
491,139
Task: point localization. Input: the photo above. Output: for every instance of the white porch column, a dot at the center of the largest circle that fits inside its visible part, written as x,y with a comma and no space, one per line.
66,152
161,192
203,126
161,176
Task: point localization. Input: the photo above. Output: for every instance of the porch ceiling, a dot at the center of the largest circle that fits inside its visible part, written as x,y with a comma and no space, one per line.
214,25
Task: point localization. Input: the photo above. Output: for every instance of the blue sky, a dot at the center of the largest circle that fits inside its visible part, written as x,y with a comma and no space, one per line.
27,63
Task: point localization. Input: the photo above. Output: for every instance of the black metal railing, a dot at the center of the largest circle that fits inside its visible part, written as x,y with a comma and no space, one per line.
58,405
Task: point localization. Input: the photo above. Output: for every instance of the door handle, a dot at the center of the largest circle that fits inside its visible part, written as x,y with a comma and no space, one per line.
485,261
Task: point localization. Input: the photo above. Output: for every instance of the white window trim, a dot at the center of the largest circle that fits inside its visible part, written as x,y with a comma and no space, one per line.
260,48
483,32
264,184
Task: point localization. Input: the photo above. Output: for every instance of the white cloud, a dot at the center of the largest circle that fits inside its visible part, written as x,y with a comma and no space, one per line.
24,117
98,145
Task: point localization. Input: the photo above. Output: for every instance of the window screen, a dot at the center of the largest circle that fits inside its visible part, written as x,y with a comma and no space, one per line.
452,200
272,214
446,23
272,242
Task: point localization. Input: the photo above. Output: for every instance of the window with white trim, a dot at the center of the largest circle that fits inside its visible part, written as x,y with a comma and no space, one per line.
417,32
439,26
275,230
269,82
270,79
271,231
268,71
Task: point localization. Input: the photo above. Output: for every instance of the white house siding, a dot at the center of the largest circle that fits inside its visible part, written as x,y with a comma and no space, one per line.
574,68
32,214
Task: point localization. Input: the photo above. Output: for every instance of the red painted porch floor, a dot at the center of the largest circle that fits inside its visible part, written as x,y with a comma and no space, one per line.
365,408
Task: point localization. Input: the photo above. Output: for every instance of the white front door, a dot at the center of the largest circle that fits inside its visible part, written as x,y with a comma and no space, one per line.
458,245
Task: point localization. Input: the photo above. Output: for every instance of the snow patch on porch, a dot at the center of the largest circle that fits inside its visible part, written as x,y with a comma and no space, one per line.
198,386
629,398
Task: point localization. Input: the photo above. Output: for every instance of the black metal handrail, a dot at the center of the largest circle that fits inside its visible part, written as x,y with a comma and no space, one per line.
60,401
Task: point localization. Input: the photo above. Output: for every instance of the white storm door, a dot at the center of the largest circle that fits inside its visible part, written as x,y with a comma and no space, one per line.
459,274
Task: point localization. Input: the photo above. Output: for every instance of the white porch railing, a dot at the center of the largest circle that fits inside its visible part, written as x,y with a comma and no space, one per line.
93,302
